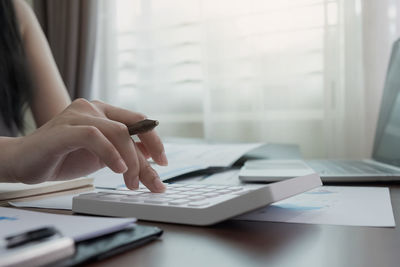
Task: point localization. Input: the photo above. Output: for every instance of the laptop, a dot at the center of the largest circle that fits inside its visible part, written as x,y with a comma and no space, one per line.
384,164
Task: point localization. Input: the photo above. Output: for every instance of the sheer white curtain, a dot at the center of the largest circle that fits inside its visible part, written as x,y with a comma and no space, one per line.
250,70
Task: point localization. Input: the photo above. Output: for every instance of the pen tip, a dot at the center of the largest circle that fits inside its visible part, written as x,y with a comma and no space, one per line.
156,123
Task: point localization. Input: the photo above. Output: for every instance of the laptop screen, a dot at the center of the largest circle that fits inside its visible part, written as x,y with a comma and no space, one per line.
387,137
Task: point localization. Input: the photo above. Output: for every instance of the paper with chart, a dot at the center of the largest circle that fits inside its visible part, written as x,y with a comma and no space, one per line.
337,205
183,158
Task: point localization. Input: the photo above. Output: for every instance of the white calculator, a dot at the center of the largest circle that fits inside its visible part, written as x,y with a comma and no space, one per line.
195,204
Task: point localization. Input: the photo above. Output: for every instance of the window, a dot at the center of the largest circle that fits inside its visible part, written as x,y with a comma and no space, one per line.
234,70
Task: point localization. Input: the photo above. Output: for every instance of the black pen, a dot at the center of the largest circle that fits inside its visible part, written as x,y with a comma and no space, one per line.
30,236
142,126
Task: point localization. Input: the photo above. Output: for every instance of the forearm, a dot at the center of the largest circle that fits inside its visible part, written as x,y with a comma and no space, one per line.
50,96
8,146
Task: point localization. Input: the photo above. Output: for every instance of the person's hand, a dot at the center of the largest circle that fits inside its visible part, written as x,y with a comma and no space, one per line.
85,137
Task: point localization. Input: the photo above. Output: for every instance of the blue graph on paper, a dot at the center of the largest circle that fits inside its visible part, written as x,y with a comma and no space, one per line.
320,192
308,201
290,206
3,218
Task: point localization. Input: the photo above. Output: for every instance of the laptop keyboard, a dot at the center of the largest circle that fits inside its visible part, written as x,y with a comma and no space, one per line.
333,167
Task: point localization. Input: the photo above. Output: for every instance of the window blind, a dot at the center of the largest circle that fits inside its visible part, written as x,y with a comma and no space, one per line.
234,70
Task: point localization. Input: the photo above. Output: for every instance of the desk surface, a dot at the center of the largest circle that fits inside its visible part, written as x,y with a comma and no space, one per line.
235,243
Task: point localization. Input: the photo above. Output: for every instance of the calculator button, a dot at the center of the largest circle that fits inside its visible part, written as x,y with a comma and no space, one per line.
171,191
168,193
111,196
189,193
211,194
143,190
133,193
223,191
163,196
241,192
195,198
156,194
177,196
146,194
132,199
205,190
157,201
217,186
180,189
178,201
235,188
195,186
123,188
199,203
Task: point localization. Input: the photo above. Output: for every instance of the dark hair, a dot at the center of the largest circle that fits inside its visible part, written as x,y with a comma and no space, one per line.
15,82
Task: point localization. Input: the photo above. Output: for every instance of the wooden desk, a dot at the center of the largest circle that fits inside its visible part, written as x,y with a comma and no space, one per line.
235,243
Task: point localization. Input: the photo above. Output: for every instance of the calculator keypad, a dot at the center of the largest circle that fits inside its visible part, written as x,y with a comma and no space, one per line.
189,195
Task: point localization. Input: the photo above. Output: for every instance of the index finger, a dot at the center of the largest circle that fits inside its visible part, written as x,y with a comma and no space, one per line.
150,139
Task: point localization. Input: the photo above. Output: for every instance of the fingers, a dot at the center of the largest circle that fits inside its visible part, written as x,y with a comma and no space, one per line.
154,146
137,165
150,140
143,149
117,133
104,132
148,176
92,139
131,177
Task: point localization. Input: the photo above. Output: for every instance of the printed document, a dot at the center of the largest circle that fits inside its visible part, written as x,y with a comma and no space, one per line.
14,221
183,158
336,205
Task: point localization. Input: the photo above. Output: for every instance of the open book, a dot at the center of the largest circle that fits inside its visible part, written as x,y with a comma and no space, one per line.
24,192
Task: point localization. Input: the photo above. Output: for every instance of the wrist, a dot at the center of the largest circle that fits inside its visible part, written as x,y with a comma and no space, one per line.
8,158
